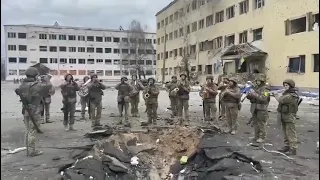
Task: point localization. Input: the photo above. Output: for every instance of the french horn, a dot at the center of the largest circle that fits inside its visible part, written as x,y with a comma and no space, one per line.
84,91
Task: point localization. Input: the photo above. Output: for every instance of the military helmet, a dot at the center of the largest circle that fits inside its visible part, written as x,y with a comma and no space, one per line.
32,72
93,75
233,79
183,74
209,77
173,77
124,78
151,78
86,77
290,82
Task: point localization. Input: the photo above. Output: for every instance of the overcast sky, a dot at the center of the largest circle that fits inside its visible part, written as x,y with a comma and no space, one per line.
84,13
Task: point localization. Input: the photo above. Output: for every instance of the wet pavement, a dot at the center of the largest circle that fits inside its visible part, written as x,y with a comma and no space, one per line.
56,142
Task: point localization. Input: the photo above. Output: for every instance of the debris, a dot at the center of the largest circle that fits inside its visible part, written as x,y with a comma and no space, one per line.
17,150
183,160
275,151
99,133
134,160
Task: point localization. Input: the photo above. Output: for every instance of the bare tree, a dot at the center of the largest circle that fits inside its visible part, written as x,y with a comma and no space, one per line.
140,48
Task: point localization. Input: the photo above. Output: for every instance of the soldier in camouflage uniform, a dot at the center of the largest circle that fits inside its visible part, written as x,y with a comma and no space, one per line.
69,95
171,86
222,86
208,93
259,99
231,98
135,96
46,101
33,91
287,111
183,97
84,100
95,88
151,101
123,99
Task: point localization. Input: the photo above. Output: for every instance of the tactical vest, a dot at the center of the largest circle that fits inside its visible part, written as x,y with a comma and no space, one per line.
287,108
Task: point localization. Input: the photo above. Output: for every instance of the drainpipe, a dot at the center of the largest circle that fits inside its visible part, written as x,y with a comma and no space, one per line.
164,55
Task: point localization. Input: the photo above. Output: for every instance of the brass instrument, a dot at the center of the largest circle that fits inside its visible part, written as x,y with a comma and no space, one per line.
84,91
147,95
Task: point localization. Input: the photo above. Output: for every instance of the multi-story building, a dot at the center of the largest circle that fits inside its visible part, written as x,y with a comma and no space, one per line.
75,50
279,38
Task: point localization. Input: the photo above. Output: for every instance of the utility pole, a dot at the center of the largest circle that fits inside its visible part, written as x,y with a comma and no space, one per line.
164,55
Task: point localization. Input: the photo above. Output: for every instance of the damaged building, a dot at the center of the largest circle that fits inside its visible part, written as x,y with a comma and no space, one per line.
240,37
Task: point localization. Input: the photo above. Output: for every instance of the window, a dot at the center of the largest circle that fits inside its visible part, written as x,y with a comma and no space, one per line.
170,36
13,72
133,40
209,20
162,39
133,62
90,61
99,72
158,25
22,35
90,38
11,35
218,42
229,40
89,72
125,51
72,61
43,60
116,39
125,62
81,49
193,49
99,61
297,64
72,49
166,21
71,37
194,5
116,73
149,72
22,47
230,12
62,49
107,50
257,34
52,36
116,51
22,60
82,72
62,37
108,61
219,17
201,24
99,50
81,38
81,61
99,39
63,61
125,40
244,7
42,36
107,39
22,72
176,15
315,62
170,19
53,49
180,32
108,72
188,29
141,62
258,4
43,48
148,62
194,27
125,72
12,47
243,37
181,12
201,2
175,34
73,72
90,49
116,61
296,25
53,60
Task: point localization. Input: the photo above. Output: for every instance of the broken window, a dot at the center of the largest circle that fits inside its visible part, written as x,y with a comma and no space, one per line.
194,26
81,61
201,24
193,49
230,12
63,60
218,42
125,51
117,72
297,64
116,39
13,72
99,39
108,72
116,61
170,53
108,61
53,49
229,40
208,69
210,45
257,34
71,37
175,34
116,51
132,51
193,68
90,38
181,12
171,18
315,62
22,35
258,4
201,2
188,29
125,40
180,32
62,37
90,49
90,61
209,20
296,26
175,52
194,5
125,62
219,17
243,37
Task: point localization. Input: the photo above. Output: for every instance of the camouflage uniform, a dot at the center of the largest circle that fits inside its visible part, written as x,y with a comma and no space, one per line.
222,86
152,101
84,101
135,96
287,111
123,98
68,91
231,98
33,90
46,101
95,97
259,99
183,98
208,93
173,95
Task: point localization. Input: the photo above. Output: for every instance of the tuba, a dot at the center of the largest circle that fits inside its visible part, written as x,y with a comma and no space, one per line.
84,91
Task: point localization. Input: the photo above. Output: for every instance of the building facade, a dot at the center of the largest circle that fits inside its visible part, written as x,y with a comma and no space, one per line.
275,37
79,51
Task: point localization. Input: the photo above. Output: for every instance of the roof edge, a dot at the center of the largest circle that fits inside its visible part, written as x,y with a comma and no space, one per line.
165,8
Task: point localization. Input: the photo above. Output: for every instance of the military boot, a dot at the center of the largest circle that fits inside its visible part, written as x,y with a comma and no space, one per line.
260,140
291,152
71,127
48,119
149,120
42,120
284,149
35,153
66,128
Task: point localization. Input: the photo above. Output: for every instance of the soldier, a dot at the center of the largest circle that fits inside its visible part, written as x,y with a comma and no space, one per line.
231,99
68,91
172,88
46,101
84,101
208,93
287,111
123,99
222,86
144,82
150,95
183,97
32,90
95,97
135,95
259,99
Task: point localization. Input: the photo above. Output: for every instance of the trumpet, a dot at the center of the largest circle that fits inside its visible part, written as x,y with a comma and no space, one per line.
175,90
